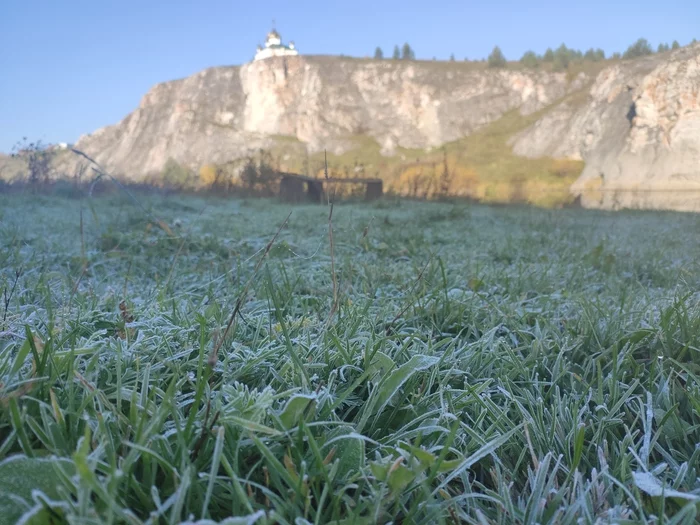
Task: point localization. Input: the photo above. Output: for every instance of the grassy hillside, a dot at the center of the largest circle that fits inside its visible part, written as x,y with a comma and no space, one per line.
464,364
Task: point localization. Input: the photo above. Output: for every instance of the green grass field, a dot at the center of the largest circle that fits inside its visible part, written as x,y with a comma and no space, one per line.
464,363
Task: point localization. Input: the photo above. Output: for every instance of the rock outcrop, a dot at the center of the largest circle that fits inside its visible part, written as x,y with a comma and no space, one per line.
225,113
636,125
637,129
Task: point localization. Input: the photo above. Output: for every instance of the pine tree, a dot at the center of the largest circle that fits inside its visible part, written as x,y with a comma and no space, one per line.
639,49
594,55
496,58
407,53
548,55
675,45
397,53
452,57
530,60
562,57
378,53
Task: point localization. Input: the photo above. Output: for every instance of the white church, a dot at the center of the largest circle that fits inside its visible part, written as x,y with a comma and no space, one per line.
275,48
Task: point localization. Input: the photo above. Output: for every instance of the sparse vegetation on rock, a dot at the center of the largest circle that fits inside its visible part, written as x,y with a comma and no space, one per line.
640,48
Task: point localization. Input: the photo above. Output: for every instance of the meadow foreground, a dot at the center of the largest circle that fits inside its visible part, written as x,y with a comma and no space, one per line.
163,363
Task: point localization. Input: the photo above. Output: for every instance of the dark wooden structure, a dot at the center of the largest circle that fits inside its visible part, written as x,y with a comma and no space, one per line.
300,188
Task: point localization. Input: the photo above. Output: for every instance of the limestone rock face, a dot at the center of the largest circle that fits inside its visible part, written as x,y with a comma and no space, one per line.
223,114
636,125
192,121
637,129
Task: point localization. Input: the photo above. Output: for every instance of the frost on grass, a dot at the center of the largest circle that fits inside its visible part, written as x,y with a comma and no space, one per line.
482,365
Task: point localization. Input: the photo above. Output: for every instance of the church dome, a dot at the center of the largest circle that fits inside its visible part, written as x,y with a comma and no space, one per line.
274,47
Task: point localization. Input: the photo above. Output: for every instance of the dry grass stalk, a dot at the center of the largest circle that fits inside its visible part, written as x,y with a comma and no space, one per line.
239,303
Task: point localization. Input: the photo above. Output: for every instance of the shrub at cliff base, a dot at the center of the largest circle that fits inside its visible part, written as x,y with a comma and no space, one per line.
429,181
177,176
208,175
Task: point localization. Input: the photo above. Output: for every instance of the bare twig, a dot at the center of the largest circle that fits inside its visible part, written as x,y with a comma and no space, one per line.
102,173
239,303
83,255
7,296
75,286
334,306
365,232
408,303
126,278
179,250
83,258
206,428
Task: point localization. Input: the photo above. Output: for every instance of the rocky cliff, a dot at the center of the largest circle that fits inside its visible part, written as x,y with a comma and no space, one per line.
637,128
225,113
634,124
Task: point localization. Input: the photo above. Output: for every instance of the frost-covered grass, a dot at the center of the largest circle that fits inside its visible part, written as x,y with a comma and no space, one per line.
480,365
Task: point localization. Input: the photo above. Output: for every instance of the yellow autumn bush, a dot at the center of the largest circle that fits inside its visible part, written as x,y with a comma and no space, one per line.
208,174
428,180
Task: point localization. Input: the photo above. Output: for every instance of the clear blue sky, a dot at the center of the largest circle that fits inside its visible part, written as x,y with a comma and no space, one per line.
68,67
